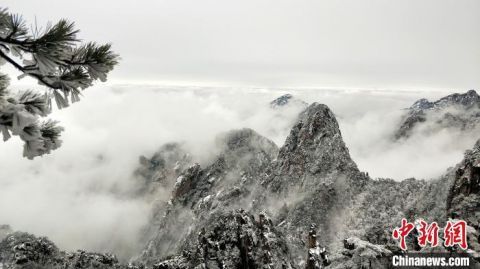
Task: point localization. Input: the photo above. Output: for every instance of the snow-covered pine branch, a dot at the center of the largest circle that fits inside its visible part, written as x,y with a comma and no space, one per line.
56,59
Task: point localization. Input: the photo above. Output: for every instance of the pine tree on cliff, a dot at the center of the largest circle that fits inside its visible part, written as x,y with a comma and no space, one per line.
55,58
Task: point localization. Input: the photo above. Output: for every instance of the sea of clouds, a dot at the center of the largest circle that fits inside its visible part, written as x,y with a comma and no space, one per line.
74,195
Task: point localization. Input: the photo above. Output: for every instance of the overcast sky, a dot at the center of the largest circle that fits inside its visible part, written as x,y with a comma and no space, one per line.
419,44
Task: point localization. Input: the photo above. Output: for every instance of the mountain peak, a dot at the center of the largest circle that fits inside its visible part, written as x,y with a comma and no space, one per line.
472,92
464,113
313,151
421,104
286,99
316,120
467,100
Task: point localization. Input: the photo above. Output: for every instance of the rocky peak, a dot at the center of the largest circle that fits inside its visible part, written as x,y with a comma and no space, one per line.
313,150
243,151
458,110
286,99
243,156
467,100
314,177
316,122
421,105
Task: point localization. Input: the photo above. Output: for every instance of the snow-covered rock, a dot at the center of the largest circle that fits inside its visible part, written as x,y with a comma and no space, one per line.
24,251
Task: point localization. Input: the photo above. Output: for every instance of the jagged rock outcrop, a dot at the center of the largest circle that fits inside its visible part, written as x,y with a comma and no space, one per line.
458,111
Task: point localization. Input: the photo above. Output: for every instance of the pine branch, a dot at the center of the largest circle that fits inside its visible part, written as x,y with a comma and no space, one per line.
53,58
22,69
56,63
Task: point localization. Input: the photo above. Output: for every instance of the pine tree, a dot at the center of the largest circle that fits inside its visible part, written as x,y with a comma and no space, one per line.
56,58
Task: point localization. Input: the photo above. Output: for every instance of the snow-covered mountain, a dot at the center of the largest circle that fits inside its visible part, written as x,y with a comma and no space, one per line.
285,100
458,111
255,205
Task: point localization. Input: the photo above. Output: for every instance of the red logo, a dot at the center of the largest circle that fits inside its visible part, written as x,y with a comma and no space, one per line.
454,233
402,232
428,234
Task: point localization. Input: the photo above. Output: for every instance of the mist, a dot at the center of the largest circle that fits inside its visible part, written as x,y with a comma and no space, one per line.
77,196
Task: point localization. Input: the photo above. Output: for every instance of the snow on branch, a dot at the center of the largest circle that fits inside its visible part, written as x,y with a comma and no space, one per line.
57,59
